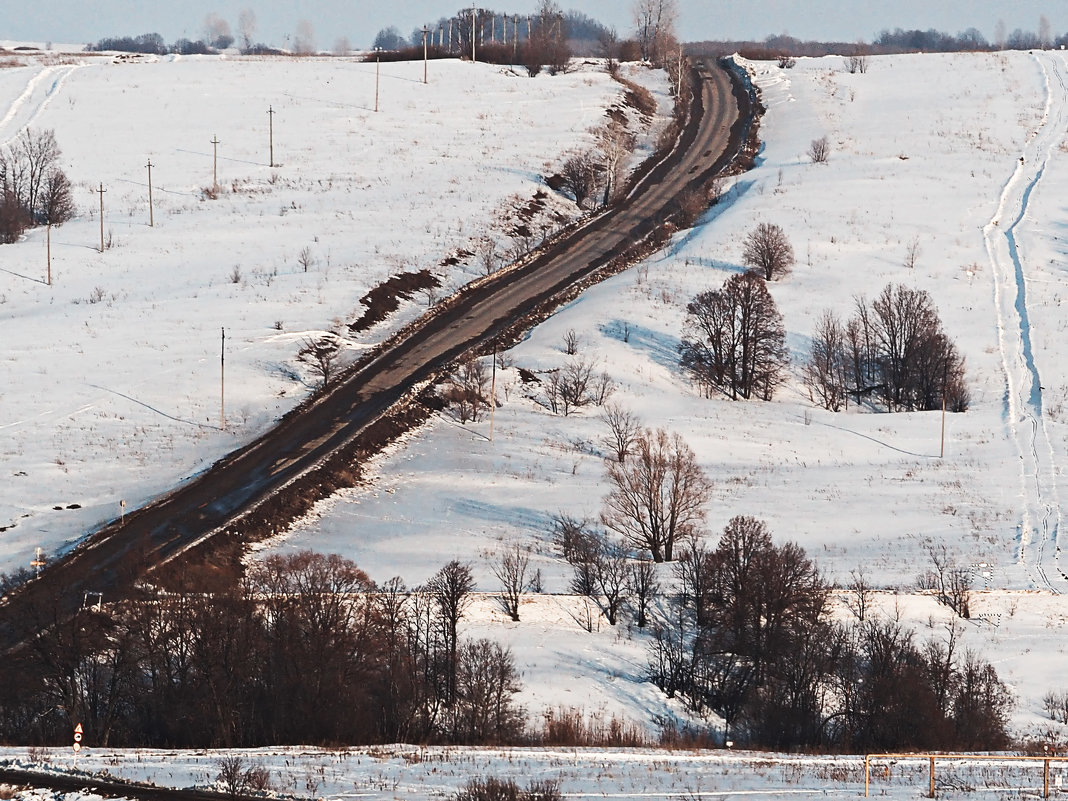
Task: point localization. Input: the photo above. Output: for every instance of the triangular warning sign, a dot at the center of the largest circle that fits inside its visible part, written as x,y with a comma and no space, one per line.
78,729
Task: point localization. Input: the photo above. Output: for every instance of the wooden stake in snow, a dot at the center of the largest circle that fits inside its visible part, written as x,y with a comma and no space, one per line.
48,249
151,218
270,118
101,191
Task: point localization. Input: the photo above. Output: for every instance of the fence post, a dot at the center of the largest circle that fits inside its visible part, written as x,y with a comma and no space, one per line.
931,794
866,758
1045,778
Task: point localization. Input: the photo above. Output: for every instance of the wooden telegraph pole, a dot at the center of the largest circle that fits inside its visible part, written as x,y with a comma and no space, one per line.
270,118
473,33
222,380
151,218
378,71
101,191
48,251
426,31
215,163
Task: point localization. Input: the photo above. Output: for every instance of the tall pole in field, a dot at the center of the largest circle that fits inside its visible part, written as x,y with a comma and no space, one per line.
493,390
426,31
945,376
473,33
215,162
101,191
151,218
222,381
48,250
270,118
378,70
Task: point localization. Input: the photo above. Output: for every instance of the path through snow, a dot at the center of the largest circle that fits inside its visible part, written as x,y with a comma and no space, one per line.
1038,551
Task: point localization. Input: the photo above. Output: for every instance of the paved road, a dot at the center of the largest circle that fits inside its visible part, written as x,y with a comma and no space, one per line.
205,505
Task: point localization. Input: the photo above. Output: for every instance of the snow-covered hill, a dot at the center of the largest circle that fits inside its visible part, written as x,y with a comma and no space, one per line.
109,378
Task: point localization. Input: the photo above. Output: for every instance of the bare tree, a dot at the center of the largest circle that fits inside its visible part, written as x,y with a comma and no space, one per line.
30,176
826,373
581,176
912,252
467,390
735,339
624,427
571,341
655,27
305,258
450,588
643,586
819,150
489,256
859,597
304,38
246,28
767,250
615,144
511,570
612,571
323,356
657,495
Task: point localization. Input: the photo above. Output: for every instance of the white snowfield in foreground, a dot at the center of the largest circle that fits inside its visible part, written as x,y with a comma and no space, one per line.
415,773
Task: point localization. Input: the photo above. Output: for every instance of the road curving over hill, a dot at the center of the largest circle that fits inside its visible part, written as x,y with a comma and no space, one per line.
117,558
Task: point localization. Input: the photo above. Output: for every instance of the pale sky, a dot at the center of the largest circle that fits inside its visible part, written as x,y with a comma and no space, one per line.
71,21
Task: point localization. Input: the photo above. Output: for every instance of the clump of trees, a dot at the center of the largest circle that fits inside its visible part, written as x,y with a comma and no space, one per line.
735,341
306,649
34,190
748,638
893,350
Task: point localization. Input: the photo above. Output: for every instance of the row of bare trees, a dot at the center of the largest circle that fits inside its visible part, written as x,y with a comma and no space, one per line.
307,649
34,190
893,350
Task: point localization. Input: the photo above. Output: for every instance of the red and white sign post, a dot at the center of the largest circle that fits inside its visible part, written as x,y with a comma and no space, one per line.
77,743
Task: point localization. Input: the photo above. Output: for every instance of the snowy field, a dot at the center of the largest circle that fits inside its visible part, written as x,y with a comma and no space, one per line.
411,773
117,398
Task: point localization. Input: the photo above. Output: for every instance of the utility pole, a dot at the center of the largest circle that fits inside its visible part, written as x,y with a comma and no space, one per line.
378,70
945,377
493,389
222,380
151,218
426,31
473,34
38,561
215,162
48,252
270,119
101,191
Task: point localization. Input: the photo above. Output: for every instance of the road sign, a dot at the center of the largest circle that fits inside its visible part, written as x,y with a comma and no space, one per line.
77,747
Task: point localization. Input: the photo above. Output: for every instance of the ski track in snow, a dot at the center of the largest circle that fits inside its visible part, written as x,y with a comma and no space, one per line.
1039,529
27,107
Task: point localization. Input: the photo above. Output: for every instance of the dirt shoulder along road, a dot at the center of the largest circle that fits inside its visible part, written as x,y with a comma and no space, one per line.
194,534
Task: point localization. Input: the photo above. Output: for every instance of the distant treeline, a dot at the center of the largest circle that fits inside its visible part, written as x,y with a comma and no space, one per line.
887,42
153,44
